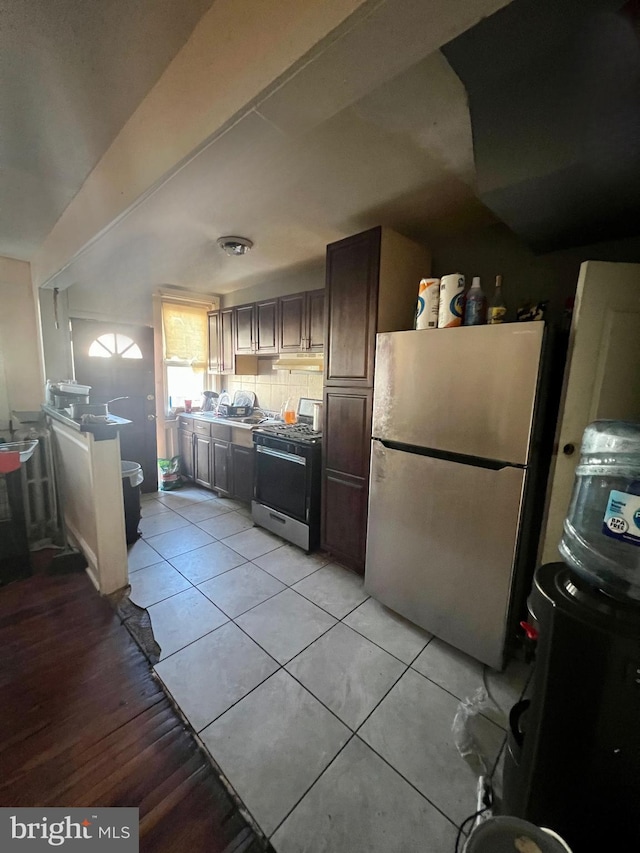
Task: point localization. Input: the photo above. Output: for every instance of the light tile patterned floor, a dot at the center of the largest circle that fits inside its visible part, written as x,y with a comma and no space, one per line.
328,714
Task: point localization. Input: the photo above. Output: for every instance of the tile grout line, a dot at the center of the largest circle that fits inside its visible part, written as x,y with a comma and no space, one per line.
249,609
208,754
409,782
352,732
291,586
182,648
227,783
382,647
457,698
355,733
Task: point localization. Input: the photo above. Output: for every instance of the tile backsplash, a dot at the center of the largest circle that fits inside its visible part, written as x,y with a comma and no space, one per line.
272,387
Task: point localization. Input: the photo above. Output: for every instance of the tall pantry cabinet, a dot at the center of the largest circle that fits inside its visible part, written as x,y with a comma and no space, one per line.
371,286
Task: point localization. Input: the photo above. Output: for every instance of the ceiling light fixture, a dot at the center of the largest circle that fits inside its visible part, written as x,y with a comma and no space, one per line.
235,245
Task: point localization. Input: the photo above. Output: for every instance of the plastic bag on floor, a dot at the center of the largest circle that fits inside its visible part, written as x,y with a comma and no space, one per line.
170,476
465,730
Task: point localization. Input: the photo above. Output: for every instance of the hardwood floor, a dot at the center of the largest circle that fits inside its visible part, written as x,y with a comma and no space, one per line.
84,723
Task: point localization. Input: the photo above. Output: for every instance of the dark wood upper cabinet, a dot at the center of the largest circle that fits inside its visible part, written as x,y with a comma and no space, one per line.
227,361
301,324
256,328
291,331
214,341
221,353
352,290
244,322
315,321
266,327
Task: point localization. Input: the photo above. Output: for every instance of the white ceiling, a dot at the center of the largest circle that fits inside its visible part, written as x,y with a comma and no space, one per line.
373,130
401,156
71,74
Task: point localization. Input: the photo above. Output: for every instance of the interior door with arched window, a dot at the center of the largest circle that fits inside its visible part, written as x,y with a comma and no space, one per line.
116,360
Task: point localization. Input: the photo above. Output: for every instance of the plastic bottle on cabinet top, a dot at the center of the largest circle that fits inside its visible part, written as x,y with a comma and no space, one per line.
475,306
601,539
497,308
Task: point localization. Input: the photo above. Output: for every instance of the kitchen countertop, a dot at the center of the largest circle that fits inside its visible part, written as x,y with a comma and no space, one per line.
236,423
101,432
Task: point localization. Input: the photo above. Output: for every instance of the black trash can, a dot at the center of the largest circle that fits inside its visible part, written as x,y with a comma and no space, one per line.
132,478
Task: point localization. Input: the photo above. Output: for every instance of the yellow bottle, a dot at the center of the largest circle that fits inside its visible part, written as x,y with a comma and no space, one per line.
497,308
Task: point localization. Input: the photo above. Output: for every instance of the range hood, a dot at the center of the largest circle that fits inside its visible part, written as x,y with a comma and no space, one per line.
300,362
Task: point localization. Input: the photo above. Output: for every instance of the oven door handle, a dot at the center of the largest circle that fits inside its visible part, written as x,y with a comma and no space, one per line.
281,454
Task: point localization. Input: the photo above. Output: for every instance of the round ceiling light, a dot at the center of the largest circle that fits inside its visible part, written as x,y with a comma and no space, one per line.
235,245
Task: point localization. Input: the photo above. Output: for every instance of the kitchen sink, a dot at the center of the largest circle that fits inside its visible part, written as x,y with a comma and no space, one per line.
254,420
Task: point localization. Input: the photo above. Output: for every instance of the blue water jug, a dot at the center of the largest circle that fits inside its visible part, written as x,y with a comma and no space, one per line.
601,539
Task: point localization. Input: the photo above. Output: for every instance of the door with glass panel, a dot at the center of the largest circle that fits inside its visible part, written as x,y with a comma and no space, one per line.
116,360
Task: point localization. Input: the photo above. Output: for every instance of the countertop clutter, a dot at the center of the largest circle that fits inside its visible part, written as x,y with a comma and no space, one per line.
247,423
100,431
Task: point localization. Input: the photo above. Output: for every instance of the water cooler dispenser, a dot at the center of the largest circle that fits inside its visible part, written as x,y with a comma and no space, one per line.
573,754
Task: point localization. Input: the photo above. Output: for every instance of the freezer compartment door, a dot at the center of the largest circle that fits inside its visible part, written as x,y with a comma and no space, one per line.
441,544
468,390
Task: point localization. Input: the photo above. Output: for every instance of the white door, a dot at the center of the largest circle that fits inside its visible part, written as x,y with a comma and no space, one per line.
602,379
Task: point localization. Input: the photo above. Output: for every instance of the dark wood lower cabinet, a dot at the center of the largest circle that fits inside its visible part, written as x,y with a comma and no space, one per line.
185,449
345,518
216,463
220,480
242,459
202,460
345,492
347,430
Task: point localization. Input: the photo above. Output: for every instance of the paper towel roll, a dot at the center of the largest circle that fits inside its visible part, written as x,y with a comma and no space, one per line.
451,298
428,300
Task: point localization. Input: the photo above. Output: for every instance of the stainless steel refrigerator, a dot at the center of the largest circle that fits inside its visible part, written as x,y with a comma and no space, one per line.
452,456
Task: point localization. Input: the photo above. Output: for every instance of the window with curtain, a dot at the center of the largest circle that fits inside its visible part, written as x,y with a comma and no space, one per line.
184,327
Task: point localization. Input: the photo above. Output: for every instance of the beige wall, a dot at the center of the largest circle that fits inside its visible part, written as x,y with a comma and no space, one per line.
272,387
306,277
21,379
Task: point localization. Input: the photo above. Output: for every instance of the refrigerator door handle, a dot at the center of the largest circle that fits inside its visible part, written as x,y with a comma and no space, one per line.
460,458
